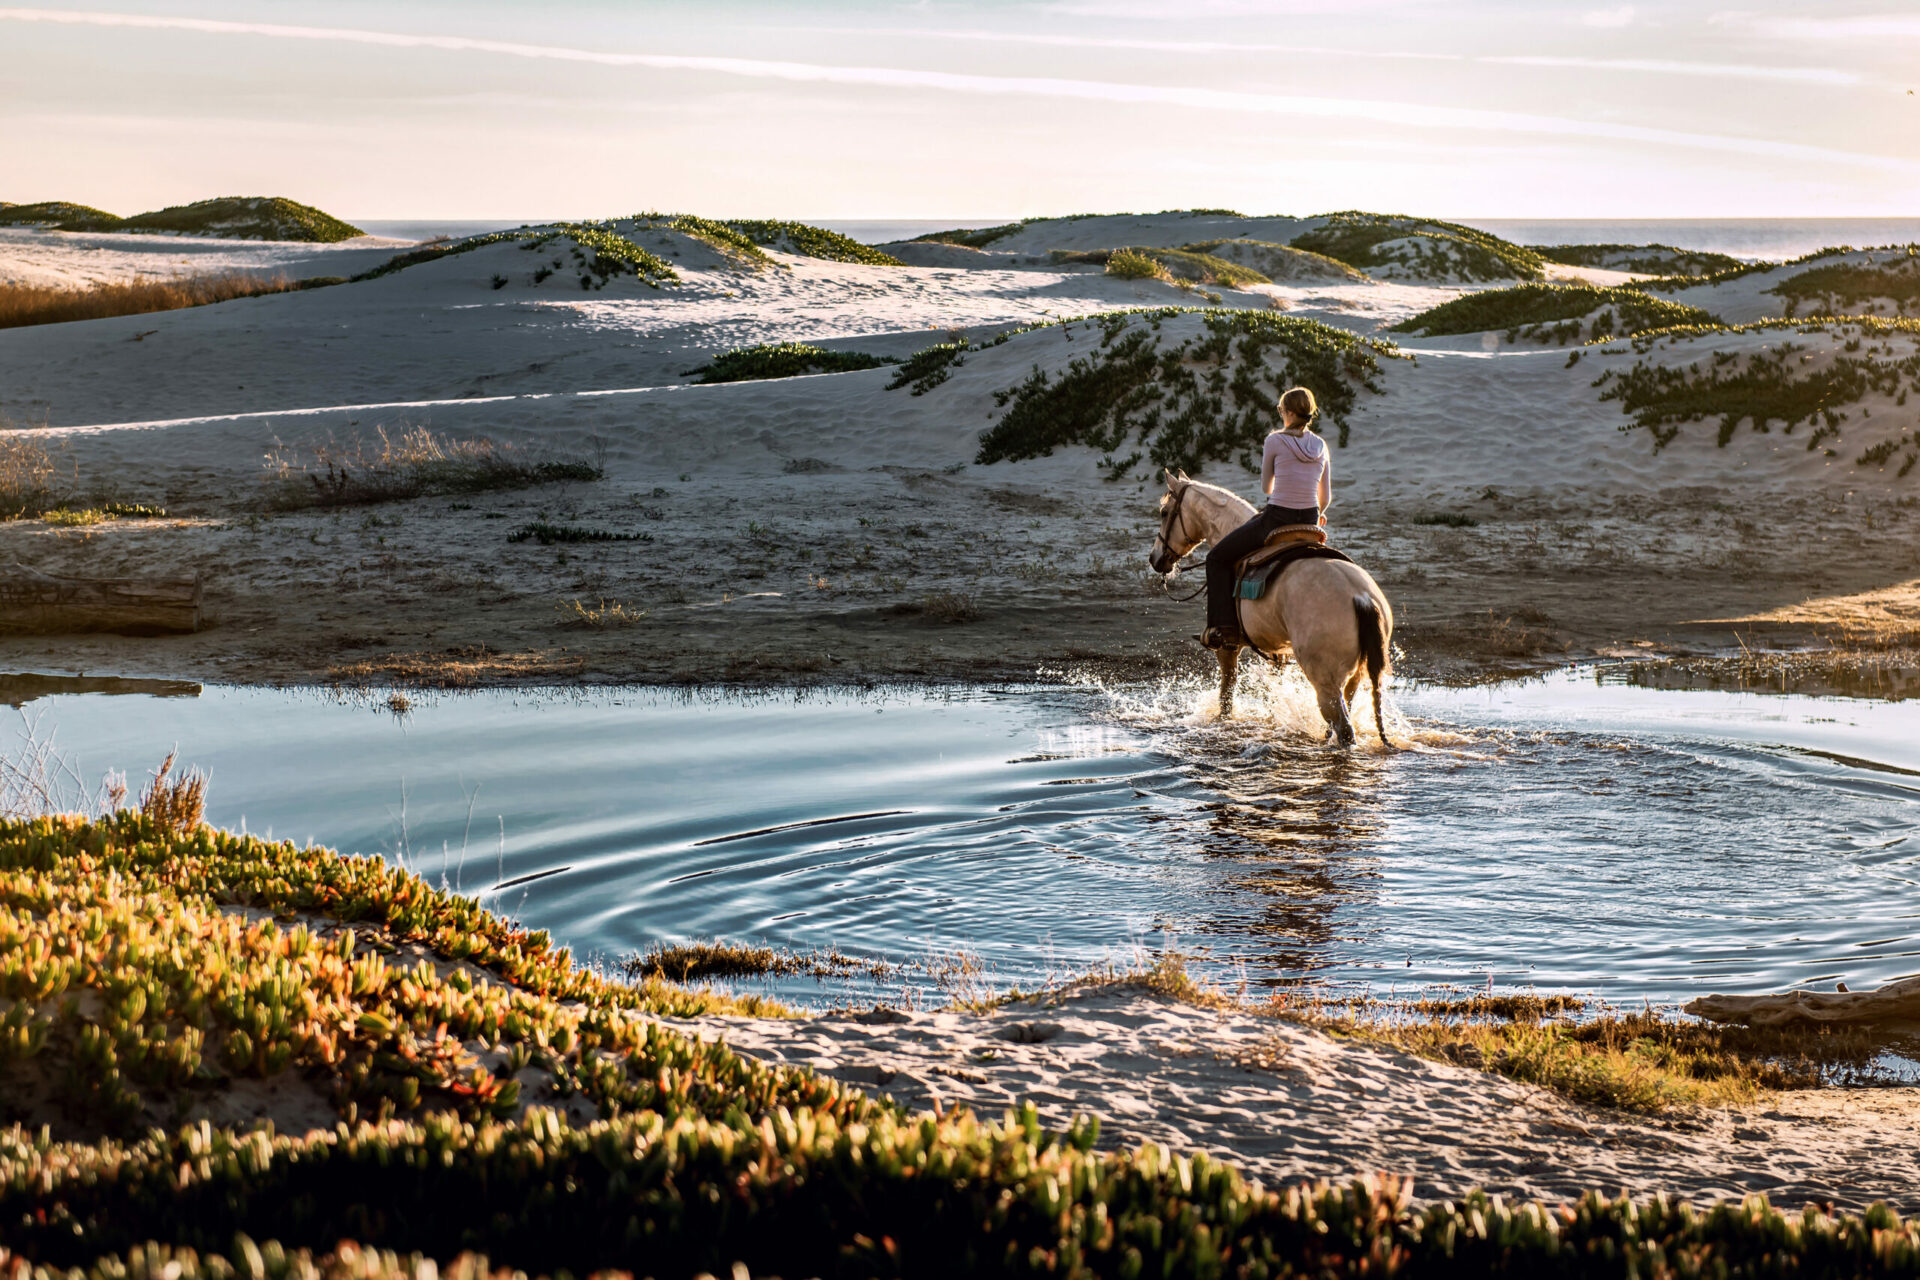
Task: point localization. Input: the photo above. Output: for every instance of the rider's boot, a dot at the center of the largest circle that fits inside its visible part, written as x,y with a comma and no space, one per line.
1221,638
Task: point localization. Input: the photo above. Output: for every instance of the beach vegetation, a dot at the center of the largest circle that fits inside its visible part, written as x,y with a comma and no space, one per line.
1127,264
949,607
930,366
23,304
702,959
810,242
1140,396
29,476
1172,265
245,218
599,252
1780,383
153,967
1643,259
409,463
718,236
607,615
68,516
1279,262
1672,284
1638,1061
1420,247
1447,519
1554,313
782,360
1836,287
548,534
61,215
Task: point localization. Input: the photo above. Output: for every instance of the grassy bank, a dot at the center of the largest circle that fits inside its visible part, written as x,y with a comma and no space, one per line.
491,1097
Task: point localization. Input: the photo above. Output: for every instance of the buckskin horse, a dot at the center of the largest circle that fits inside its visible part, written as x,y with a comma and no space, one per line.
1329,611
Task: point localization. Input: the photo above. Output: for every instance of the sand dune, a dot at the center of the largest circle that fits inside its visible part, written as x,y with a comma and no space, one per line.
182,408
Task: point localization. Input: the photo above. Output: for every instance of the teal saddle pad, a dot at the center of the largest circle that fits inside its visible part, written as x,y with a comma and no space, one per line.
1253,583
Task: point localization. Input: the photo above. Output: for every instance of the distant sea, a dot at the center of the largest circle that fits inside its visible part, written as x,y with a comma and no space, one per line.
1771,238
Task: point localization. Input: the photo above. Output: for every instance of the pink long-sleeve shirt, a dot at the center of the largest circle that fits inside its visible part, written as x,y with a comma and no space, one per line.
1296,470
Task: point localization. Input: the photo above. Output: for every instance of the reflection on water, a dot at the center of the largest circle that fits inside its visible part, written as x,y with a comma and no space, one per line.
1568,832
1891,676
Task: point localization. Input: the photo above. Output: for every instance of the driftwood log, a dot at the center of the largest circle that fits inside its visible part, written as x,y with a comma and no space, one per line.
1895,1002
35,603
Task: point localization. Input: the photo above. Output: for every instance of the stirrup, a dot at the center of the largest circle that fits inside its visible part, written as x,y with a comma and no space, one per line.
1217,638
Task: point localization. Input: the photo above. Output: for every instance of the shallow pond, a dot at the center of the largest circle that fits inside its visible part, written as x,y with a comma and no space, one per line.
1566,833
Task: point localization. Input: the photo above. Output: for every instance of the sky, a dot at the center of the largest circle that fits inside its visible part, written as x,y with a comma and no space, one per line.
974,110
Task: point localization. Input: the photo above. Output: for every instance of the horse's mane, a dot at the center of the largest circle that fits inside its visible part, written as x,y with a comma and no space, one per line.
1217,490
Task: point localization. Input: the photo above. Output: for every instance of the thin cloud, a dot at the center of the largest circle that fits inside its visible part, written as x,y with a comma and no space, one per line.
1730,70
1618,16
1409,115
1208,47
1861,27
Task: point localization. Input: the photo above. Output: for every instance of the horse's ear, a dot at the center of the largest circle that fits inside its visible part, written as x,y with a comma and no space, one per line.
1169,475
1183,473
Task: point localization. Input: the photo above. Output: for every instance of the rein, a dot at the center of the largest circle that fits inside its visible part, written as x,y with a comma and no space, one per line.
1166,526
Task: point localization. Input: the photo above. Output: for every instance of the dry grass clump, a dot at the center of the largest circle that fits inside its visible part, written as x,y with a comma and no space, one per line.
28,474
413,463
605,616
24,304
1636,1062
175,805
699,960
950,607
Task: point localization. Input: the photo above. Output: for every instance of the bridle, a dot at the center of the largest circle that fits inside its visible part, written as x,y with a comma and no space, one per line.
1168,521
1168,525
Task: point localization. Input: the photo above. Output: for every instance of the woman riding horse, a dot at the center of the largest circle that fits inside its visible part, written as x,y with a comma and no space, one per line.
1329,613
1296,474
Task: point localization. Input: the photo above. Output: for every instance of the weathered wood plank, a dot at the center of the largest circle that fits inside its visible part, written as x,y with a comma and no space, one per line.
36,603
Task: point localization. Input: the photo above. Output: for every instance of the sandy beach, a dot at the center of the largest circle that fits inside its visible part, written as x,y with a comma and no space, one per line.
798,529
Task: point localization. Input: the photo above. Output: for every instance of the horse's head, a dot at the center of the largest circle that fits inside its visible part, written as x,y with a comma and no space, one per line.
1179,529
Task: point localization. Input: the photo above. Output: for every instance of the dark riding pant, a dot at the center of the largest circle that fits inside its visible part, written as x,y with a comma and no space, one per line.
1236,546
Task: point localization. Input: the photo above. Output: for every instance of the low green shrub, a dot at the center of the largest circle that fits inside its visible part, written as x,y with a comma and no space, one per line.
1278,262
1438,249
1554,313
62,215
1672,284
782,360
1646,259
612,254
795,1194
1141,262
812,242
246,218
1208,398
1131,264
1837,286
548,534
156,959
718,236
1766,386
930,366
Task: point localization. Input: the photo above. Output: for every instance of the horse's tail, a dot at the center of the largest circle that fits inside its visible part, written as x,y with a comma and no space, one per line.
1373,644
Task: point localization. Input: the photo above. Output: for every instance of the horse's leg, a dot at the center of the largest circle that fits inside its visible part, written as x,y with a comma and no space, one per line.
1333,708
1229,672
